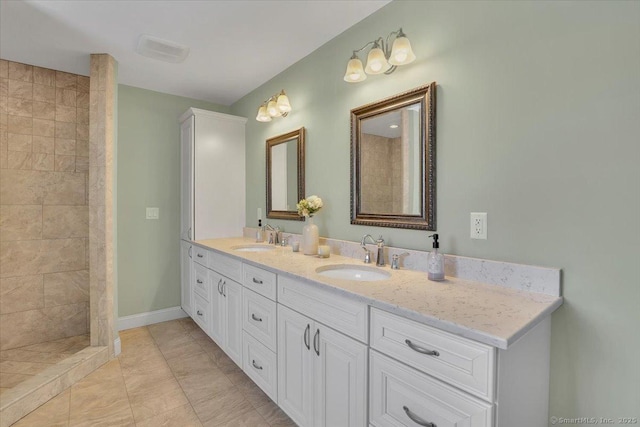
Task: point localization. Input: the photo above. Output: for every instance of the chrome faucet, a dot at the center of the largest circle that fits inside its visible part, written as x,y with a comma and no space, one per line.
367,252
276,234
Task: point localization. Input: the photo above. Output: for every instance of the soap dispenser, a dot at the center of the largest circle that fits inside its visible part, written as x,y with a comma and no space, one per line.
435,262
260,232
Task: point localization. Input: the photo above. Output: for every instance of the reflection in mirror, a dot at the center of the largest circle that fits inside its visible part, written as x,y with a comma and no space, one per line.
285,174
393,161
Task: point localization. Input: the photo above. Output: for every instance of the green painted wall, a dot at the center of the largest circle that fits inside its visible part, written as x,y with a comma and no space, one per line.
148,162
538,125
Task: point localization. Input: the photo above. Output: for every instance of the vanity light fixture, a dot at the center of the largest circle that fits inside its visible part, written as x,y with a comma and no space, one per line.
382,58
276,106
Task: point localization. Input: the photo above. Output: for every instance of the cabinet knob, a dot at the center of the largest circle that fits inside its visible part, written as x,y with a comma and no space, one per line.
257,319
255,365
422,350
416,419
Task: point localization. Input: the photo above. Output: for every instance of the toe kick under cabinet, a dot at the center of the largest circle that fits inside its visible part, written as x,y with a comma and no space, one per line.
331,360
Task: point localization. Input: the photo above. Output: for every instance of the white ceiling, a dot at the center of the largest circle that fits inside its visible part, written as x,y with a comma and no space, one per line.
236,46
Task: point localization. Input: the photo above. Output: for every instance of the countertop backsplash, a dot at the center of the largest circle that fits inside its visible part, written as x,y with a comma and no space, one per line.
524,277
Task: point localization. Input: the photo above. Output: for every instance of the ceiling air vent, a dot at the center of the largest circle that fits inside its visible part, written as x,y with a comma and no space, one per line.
163,50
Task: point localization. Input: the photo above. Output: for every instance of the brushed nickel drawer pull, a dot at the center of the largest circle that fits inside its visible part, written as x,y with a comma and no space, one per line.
416,419
259,282
219,291
307,336
257,319
199,281
200,255
224,294
253,362
316,342
199,313
422,350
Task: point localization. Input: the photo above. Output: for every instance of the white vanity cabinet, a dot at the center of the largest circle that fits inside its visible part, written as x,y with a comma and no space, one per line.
213,174
322,374
226,326
186,250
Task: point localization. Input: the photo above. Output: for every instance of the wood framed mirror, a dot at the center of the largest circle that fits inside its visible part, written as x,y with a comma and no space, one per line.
285,174
393,161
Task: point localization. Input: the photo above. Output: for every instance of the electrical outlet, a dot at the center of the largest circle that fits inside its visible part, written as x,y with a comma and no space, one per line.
479,225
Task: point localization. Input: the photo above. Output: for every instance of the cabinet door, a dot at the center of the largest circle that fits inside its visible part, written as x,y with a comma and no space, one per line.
218,325
295,370
185,279
340,379
232,293
186,177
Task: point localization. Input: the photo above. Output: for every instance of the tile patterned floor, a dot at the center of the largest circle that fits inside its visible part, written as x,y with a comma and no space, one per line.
19,364
168,374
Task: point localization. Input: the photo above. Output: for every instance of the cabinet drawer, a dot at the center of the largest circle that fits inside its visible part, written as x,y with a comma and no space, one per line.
260,281
339,312
401,396
464,363
201,282
259,318
200,255
227,266
261,365
201,312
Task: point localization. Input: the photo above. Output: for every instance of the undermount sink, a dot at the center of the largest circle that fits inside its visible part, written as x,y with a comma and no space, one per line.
353,272
253,248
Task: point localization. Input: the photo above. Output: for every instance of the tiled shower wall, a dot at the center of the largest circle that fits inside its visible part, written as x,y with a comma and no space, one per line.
44,220
381,185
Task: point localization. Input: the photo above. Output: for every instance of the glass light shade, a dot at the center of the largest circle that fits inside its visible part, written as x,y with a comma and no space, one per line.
272,108
263,116
355,72
376,62
283,103
401,52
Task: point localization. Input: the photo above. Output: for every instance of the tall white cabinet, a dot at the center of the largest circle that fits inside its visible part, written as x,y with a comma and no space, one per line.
213,175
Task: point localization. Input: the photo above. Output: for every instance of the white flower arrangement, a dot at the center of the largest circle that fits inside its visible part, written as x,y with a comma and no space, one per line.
310,206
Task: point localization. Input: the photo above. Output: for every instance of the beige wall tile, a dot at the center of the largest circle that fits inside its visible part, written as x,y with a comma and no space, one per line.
70,287
43,162
82,100
19,107
21,293
44,110
66,97
82,164
83,83
82,131
65,163
4,68
65,80
18,71
65,146
4,119
20,222
4,140
4,87
21,187
65,188
4,159
20,89
19,142
65,114
3,103
19,160
65,130
17,124
43,144
82,147
44,93
24,257
65,222
44,127
26,327
44,76
82,116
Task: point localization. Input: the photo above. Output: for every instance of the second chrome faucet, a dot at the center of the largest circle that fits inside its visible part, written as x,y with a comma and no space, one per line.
367,255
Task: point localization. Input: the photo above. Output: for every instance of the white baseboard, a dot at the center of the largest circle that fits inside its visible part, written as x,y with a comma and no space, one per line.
117,347
150,317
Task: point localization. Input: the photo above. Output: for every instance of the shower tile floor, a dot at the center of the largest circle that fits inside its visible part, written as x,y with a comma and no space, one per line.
168,374
19,364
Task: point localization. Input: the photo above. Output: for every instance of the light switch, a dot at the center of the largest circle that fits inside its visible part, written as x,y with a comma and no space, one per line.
153,213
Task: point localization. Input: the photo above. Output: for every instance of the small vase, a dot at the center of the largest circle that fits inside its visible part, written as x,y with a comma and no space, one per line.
310,238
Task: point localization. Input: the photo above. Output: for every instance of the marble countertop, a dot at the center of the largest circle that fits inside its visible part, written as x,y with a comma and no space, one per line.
490,314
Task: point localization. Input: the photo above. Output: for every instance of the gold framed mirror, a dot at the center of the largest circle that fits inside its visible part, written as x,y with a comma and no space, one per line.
285,174
393,161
